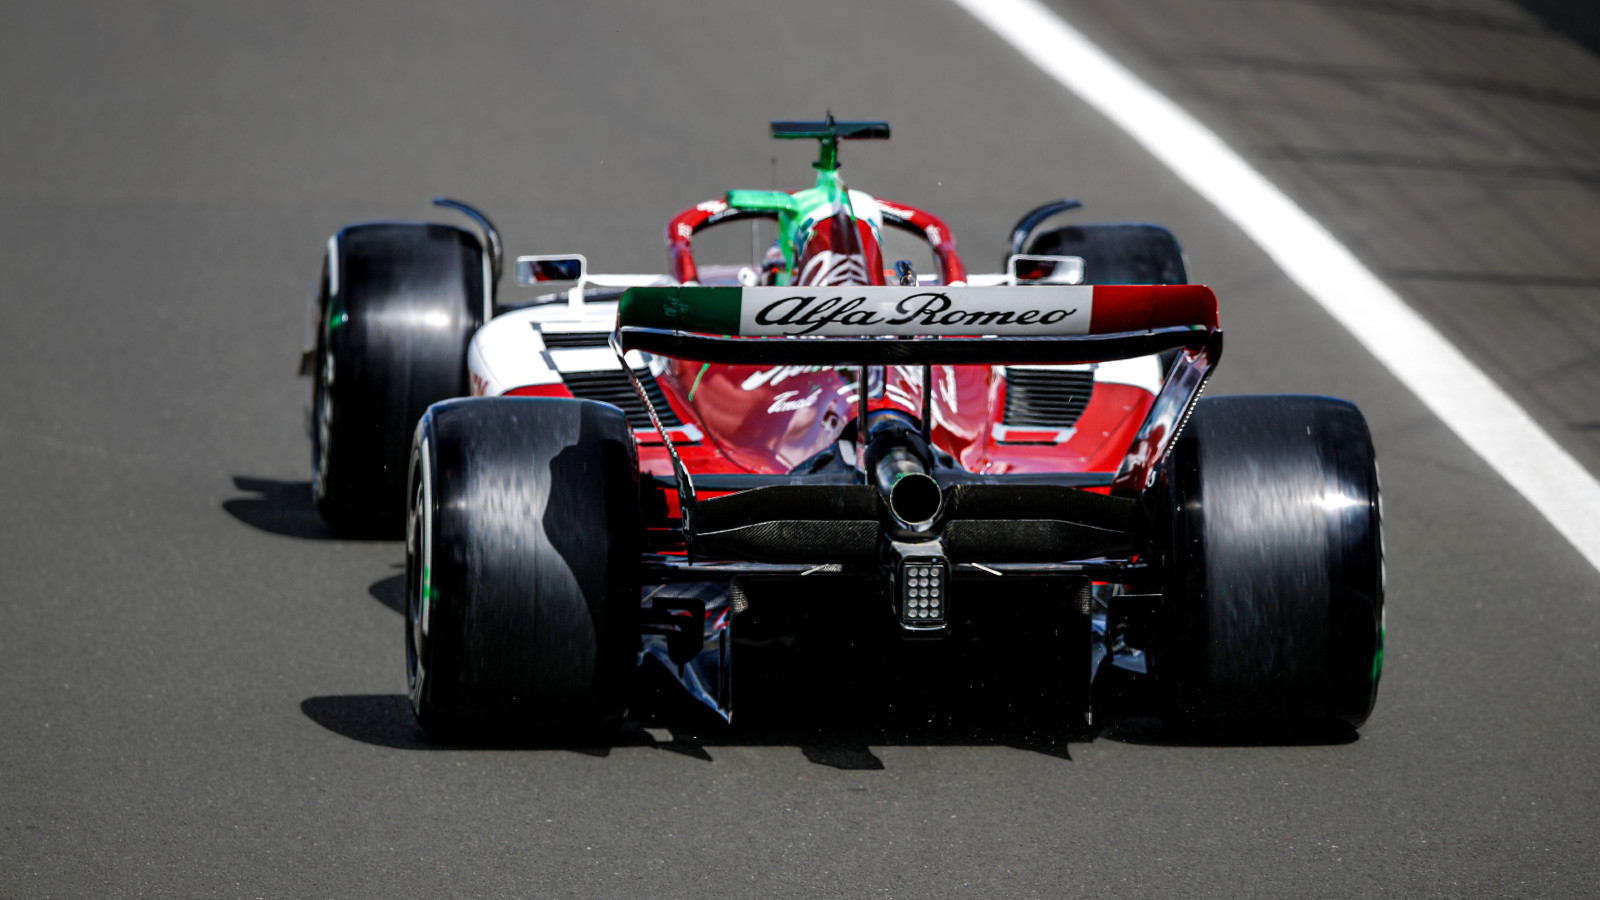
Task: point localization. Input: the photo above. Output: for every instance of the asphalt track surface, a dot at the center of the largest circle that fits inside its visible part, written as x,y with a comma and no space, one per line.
201,690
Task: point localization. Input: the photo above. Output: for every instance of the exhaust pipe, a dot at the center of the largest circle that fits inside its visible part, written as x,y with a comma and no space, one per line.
901,475
915,498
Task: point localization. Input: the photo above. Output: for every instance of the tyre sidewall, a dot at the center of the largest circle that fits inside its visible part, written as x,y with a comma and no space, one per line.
1274,607
392,340
532,553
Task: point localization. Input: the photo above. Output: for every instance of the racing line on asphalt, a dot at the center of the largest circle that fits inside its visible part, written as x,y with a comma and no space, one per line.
1485,418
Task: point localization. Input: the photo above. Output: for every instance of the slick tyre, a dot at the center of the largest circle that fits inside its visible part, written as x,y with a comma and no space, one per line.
400,301
1117,253
1273,614
522,596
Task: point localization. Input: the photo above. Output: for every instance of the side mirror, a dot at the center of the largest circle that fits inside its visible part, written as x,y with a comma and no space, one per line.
533,270
1025,269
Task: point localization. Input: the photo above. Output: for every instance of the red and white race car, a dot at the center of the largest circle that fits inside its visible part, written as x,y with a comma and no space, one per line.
629,469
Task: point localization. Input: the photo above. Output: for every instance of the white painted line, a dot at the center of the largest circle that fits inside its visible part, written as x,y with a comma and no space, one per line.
1488,420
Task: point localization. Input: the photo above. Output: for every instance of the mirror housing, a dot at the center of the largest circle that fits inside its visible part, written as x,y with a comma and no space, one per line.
1035,269
568,267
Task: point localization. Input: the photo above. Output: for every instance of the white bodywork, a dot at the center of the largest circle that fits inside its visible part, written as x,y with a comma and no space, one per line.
509,352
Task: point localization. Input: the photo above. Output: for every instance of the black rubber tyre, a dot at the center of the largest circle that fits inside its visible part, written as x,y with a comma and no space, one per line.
400,302
1132,253
522,597
1273,614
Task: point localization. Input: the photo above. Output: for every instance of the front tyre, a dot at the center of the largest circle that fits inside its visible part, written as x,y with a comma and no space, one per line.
522,593
400,302
1273,613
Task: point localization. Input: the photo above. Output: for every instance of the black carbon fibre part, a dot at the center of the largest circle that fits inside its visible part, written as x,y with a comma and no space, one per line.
795,540
942,351
821,502
1040,501
1030,540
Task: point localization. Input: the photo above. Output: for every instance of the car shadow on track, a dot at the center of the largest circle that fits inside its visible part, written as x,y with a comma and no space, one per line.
282,508
787,697
840,738
845,741
385,720
391,592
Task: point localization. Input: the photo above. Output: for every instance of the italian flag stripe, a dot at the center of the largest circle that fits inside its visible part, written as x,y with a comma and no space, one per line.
702,310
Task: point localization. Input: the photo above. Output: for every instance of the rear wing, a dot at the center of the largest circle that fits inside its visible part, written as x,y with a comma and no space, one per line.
933,325
938,325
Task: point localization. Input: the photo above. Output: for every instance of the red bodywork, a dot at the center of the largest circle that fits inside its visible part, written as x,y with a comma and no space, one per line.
769,419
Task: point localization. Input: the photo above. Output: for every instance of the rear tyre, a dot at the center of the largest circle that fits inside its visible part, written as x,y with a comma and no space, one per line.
1115,253
522,596
1273,613
400,301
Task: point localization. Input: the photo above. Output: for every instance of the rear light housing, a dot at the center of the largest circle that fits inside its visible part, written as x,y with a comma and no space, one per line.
924,592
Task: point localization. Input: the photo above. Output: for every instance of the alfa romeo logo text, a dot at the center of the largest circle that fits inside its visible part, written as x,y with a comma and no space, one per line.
803,314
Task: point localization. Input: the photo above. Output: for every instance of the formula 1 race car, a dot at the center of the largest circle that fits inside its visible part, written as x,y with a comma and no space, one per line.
629,469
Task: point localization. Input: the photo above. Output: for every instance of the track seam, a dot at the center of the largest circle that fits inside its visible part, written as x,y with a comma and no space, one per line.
1455,390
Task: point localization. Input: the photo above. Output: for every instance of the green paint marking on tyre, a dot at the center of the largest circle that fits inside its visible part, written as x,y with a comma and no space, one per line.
427,593
1377,658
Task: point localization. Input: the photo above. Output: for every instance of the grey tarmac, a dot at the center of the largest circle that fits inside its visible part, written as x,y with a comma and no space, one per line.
202,691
